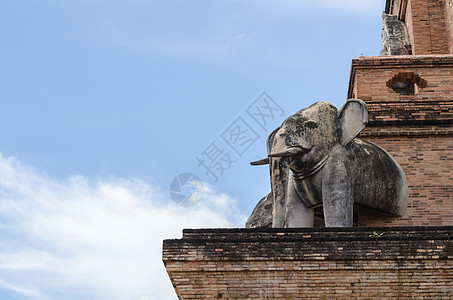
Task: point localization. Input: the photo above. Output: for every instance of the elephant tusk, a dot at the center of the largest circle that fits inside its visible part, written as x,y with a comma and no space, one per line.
264,161
293,151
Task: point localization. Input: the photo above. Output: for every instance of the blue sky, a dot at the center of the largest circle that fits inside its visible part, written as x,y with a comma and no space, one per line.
105,102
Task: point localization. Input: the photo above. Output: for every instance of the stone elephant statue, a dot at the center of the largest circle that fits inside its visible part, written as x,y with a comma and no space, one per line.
316,160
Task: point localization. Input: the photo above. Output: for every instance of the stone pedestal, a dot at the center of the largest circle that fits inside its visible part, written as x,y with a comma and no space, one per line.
398,262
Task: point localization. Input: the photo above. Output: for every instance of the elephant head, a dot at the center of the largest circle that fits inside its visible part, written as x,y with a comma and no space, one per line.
304,143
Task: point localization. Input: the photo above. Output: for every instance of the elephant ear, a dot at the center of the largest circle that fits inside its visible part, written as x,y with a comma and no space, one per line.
352,118
270,140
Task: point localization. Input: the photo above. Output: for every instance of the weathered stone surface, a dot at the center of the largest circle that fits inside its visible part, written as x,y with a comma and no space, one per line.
316,161
395,40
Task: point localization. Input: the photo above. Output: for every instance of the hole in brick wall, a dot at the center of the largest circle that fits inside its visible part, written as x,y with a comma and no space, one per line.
407,83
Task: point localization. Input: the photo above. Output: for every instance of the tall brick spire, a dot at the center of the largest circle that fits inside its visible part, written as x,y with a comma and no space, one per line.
410,103
429,24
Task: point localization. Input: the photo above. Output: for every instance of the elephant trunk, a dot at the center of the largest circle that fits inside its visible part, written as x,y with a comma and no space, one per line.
279,171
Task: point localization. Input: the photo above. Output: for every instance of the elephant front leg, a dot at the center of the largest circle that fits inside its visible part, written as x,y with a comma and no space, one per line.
337,194
297,214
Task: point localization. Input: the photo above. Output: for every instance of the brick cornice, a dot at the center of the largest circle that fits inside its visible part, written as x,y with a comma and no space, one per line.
388,131
305,244
400,61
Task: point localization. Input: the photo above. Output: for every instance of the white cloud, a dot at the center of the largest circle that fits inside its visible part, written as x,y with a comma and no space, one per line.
101,239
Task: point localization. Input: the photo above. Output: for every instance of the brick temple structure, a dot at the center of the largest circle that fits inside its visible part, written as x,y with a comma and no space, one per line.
410,103
414,124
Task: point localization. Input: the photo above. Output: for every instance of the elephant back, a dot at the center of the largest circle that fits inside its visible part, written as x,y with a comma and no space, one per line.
379,181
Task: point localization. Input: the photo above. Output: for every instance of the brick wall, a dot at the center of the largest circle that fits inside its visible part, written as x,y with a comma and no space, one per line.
409,22
426,155
312,263
416,129
426,23
449,23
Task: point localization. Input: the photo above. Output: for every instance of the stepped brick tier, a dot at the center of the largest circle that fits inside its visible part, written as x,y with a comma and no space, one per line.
415,125
379,263
410,104
432,103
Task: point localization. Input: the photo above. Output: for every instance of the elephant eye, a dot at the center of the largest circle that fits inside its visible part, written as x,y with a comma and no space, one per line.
311,124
